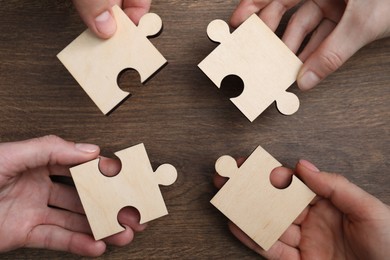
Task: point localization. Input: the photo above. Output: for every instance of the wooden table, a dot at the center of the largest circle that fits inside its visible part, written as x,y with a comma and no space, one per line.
342,125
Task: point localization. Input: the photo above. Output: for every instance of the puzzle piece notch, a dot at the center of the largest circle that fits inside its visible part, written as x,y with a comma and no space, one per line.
226,166
264,63
164,174
136,185
287,103
218,31
150,24
232,86
96,63
250,201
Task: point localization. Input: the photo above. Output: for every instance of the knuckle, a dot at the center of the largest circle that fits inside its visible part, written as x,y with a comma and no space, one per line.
331,61
52,139
297,21
338,181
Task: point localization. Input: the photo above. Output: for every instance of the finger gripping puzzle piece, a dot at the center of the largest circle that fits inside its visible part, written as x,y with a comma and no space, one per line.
251,202
95,63
136,185
256,55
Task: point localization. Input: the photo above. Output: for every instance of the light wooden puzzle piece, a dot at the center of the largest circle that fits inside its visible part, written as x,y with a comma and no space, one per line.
251,202
95,63
136,185
255,54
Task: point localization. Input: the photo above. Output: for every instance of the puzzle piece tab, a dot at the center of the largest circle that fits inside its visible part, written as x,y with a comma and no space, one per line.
251,202
255,54
136,185
95,63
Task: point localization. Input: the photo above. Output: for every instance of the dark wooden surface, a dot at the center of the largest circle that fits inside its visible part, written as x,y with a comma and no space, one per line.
341,126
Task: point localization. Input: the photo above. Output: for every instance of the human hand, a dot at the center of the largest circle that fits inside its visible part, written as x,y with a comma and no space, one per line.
36,212
339,29
342,222
98,16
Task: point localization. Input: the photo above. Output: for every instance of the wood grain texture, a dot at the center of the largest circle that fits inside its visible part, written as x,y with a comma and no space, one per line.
251,202
96,63
342,125
136,185
266,66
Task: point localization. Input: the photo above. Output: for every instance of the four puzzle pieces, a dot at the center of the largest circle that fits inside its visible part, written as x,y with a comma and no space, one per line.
252,52
264,63
96,63
136,185
251,202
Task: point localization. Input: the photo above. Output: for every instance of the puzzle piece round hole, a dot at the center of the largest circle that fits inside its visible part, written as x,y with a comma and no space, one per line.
281,179
150,24
232,86
129,215
218,31
109,167
129,79
287,103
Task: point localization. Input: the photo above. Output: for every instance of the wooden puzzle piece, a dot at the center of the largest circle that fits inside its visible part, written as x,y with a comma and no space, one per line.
251,202
95,63
136,185
264,63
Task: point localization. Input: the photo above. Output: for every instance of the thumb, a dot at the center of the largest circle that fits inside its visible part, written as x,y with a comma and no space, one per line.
344,195
346,39
97,15
39,152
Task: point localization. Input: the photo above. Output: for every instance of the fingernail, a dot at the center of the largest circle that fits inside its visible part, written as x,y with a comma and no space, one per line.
309,165
105,23
88,148
308,80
